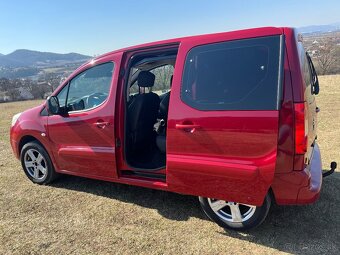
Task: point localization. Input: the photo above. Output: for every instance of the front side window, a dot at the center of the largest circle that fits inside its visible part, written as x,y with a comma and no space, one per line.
307,76
314,77
88,89
235,75
62,95
306,71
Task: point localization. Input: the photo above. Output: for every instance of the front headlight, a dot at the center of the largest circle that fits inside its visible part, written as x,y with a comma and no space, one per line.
15,118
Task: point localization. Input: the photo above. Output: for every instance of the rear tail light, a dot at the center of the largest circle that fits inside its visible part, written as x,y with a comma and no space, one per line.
300,128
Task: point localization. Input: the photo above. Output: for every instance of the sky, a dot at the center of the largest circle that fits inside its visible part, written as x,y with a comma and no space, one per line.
98,26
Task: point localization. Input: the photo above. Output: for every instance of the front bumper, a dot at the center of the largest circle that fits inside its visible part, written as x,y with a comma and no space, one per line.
15,146
14,143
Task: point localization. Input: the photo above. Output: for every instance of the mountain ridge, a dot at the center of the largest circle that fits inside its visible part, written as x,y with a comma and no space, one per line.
25,58
320,28
32,58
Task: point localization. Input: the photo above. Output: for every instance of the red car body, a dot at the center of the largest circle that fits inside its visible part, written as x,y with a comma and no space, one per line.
235,155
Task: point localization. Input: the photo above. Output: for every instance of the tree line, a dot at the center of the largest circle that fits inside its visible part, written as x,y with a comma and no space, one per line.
21,89
325,53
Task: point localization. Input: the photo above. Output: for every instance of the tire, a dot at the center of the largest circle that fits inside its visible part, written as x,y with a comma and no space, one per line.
225,214
37,164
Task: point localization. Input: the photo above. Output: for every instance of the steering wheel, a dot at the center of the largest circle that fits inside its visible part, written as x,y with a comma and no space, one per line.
95,99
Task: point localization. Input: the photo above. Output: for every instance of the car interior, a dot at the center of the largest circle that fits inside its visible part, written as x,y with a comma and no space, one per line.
147,102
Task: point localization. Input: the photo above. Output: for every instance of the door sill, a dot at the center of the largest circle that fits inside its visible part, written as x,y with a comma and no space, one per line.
143,174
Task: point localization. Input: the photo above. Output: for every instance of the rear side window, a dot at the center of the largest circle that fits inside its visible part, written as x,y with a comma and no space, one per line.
236,75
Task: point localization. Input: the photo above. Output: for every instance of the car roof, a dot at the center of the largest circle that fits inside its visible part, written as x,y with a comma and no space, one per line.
232,34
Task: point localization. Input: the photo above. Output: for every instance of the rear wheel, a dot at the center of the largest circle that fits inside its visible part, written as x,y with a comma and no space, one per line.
37,164
233,215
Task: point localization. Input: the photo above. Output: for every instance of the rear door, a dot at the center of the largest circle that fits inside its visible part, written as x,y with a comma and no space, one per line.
223,116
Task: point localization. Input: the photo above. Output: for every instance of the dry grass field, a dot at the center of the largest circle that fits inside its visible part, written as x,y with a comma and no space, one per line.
80,216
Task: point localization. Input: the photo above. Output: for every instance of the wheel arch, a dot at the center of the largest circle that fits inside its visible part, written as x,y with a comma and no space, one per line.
272,195
26,139
52,174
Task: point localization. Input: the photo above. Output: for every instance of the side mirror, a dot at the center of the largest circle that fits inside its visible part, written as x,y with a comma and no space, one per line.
316,88
53,106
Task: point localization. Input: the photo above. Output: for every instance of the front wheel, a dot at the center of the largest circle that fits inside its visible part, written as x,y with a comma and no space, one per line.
233,215
37,164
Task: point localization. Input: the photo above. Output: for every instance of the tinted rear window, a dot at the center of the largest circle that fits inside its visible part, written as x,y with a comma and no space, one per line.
235,75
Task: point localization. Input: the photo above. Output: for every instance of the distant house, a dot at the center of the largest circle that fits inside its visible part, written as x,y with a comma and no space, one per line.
25,94
312,53
4,97
47,94
46,88
18,94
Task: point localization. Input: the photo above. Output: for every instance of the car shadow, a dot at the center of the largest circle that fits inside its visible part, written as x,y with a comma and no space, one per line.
309,229
170,205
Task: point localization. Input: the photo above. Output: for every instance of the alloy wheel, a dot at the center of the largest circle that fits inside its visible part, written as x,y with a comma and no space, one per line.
35,164
231,211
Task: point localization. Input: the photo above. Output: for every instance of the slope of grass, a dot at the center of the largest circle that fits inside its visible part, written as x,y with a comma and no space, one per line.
80,216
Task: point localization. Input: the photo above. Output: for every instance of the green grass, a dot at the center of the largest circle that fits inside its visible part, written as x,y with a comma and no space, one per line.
80,216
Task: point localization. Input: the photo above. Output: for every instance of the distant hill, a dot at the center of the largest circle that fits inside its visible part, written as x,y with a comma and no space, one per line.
320,28
26,58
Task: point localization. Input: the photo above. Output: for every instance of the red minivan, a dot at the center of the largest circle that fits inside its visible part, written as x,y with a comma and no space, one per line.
228,117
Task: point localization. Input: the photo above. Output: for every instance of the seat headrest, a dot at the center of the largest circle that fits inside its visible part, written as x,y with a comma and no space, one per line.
146,79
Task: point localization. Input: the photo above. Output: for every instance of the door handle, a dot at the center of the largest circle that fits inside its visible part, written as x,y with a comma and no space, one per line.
101,124
187,127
